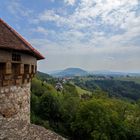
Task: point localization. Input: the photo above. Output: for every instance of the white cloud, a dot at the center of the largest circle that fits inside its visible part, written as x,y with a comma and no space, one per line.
86,34
91,31
110,12
115,13
111,57
15,7
43,31
70,2
49,15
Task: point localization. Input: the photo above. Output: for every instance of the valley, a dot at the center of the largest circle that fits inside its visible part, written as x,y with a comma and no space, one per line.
87,105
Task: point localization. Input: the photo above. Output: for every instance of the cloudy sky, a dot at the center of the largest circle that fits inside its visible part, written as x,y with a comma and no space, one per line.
90,34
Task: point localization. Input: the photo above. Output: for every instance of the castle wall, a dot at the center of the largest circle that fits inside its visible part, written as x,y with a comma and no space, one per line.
15,103
15,79
18,65
16,68
6,56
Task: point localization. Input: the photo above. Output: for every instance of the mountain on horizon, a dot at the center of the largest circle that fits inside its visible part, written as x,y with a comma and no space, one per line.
113,73
70,72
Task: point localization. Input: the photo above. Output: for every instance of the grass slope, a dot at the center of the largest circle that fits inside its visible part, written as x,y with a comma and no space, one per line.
82,91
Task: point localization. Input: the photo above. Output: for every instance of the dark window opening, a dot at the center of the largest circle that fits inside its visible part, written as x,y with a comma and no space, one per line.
15,72
16,57
26,68
2,72
2,68
32,68
15,69
35,68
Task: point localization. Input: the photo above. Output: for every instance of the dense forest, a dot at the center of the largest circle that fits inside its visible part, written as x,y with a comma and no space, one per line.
129,90
95,116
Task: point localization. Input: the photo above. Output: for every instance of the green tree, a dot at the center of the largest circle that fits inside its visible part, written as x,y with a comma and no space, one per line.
96,121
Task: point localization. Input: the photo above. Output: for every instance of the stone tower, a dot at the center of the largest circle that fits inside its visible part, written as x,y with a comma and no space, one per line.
18,64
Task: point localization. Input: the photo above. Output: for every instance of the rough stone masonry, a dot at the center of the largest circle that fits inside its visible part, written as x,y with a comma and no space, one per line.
15,103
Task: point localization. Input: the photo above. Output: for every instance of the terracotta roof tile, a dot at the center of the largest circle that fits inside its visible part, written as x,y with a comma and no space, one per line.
10,39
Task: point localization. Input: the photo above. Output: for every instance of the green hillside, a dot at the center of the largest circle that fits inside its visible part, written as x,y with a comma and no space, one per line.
123,89
82,91
134,79
93,117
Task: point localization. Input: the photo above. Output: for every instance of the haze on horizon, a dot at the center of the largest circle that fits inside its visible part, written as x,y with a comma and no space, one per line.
88,34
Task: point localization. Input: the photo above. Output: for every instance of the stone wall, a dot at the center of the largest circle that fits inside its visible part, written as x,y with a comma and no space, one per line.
21,130
15,116
15,103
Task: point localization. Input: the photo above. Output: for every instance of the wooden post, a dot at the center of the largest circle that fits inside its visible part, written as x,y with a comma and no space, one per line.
30,69
33,69
8,68
21,69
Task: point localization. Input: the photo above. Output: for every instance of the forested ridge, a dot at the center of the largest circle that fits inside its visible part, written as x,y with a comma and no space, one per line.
129,90
95,116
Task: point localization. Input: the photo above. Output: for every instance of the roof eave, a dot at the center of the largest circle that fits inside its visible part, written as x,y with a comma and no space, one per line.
34,51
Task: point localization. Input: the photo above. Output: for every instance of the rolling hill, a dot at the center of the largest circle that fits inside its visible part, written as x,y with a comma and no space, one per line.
69,72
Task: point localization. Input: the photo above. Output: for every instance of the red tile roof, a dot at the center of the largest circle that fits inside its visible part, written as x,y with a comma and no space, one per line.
10,39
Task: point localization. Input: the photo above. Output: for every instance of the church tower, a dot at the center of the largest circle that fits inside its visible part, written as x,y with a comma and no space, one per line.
18,64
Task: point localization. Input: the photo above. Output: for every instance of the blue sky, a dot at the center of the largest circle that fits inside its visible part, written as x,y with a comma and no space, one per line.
90,34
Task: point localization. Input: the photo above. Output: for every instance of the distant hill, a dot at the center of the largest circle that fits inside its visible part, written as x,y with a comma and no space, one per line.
70,72
124,87
105,72
80,72
42,75
113,73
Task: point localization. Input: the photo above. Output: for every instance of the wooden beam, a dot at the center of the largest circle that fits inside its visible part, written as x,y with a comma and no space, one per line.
8,68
